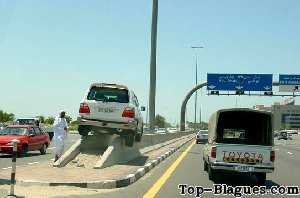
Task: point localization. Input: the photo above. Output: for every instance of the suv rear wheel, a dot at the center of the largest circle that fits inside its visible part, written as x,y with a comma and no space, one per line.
138,137
83,130
129,138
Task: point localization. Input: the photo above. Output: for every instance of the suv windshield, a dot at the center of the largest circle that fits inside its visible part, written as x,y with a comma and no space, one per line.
13,131
108,94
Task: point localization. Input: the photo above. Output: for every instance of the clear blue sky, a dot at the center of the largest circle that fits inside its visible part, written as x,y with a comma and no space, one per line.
51,51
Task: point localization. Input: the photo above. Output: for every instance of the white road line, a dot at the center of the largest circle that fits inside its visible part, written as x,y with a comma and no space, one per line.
51,148
33,163
52,159
277,149
290,153
72,140
298,147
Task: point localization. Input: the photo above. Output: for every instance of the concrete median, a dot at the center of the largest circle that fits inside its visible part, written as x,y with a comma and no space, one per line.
115,150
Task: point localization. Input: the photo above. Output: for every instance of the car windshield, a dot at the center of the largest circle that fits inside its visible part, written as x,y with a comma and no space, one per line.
205,132
13,131
108,94
25,121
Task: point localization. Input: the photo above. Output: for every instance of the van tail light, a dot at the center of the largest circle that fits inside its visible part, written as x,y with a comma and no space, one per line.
84,108
128,113
213,153
272,156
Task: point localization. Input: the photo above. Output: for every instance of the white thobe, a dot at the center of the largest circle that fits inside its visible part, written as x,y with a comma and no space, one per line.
60,135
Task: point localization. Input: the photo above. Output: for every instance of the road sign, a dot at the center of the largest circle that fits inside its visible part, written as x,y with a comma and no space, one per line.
240,82
289,83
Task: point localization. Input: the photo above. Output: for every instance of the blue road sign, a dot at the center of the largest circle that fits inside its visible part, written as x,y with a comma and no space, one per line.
240,82
289,83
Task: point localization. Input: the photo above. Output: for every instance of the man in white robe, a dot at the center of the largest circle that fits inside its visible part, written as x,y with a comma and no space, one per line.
60,134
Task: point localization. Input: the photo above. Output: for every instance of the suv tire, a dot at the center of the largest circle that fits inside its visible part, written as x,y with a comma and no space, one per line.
138,137
83,130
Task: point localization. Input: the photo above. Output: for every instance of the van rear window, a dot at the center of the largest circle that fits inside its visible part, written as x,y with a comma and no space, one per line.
244,128
108,94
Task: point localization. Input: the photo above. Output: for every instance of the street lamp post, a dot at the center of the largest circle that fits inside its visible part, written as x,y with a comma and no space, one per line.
153,67
195,117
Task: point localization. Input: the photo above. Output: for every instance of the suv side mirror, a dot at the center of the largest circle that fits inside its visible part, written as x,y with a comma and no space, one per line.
143,108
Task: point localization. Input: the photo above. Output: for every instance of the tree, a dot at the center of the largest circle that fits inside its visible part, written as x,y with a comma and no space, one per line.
50,120
41,118
160,121
68,119
6,117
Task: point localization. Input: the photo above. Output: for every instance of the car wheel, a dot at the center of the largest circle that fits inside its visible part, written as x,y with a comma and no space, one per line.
23,151
205,165
261,178
211,173
138,137
43,149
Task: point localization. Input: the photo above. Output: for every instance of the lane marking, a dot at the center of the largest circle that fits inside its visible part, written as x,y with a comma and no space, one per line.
277,149
290,153
298,147
72,140
33,163
52,159
51,148
157,186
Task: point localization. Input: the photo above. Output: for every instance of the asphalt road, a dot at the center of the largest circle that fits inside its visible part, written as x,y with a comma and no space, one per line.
190,172
35,156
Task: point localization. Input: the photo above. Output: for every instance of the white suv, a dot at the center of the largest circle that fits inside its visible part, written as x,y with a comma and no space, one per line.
113,109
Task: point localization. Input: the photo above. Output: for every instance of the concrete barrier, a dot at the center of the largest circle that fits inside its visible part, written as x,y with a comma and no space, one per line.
115,150
97,142
118,153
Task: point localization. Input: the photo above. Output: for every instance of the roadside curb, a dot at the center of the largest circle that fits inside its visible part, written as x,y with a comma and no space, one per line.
105,184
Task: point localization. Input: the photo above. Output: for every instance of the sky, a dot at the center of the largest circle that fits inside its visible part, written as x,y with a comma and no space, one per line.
51,51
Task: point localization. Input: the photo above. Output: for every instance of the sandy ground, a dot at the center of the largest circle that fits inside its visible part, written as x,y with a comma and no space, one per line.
47,191
88,159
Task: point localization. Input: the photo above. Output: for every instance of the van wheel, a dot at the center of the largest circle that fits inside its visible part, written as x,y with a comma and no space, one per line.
43,149
205,165
261,178
211,173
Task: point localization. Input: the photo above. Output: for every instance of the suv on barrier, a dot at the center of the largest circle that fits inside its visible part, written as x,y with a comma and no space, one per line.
113,109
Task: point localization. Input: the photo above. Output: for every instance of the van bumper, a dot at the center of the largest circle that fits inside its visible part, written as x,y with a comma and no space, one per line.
259,168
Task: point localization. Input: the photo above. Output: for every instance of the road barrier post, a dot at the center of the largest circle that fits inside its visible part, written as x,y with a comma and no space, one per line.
13,170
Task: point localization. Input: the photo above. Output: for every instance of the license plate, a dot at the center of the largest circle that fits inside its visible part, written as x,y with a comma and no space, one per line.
102,110
244,168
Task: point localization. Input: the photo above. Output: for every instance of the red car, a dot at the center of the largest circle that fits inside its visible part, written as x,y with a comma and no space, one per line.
30,136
